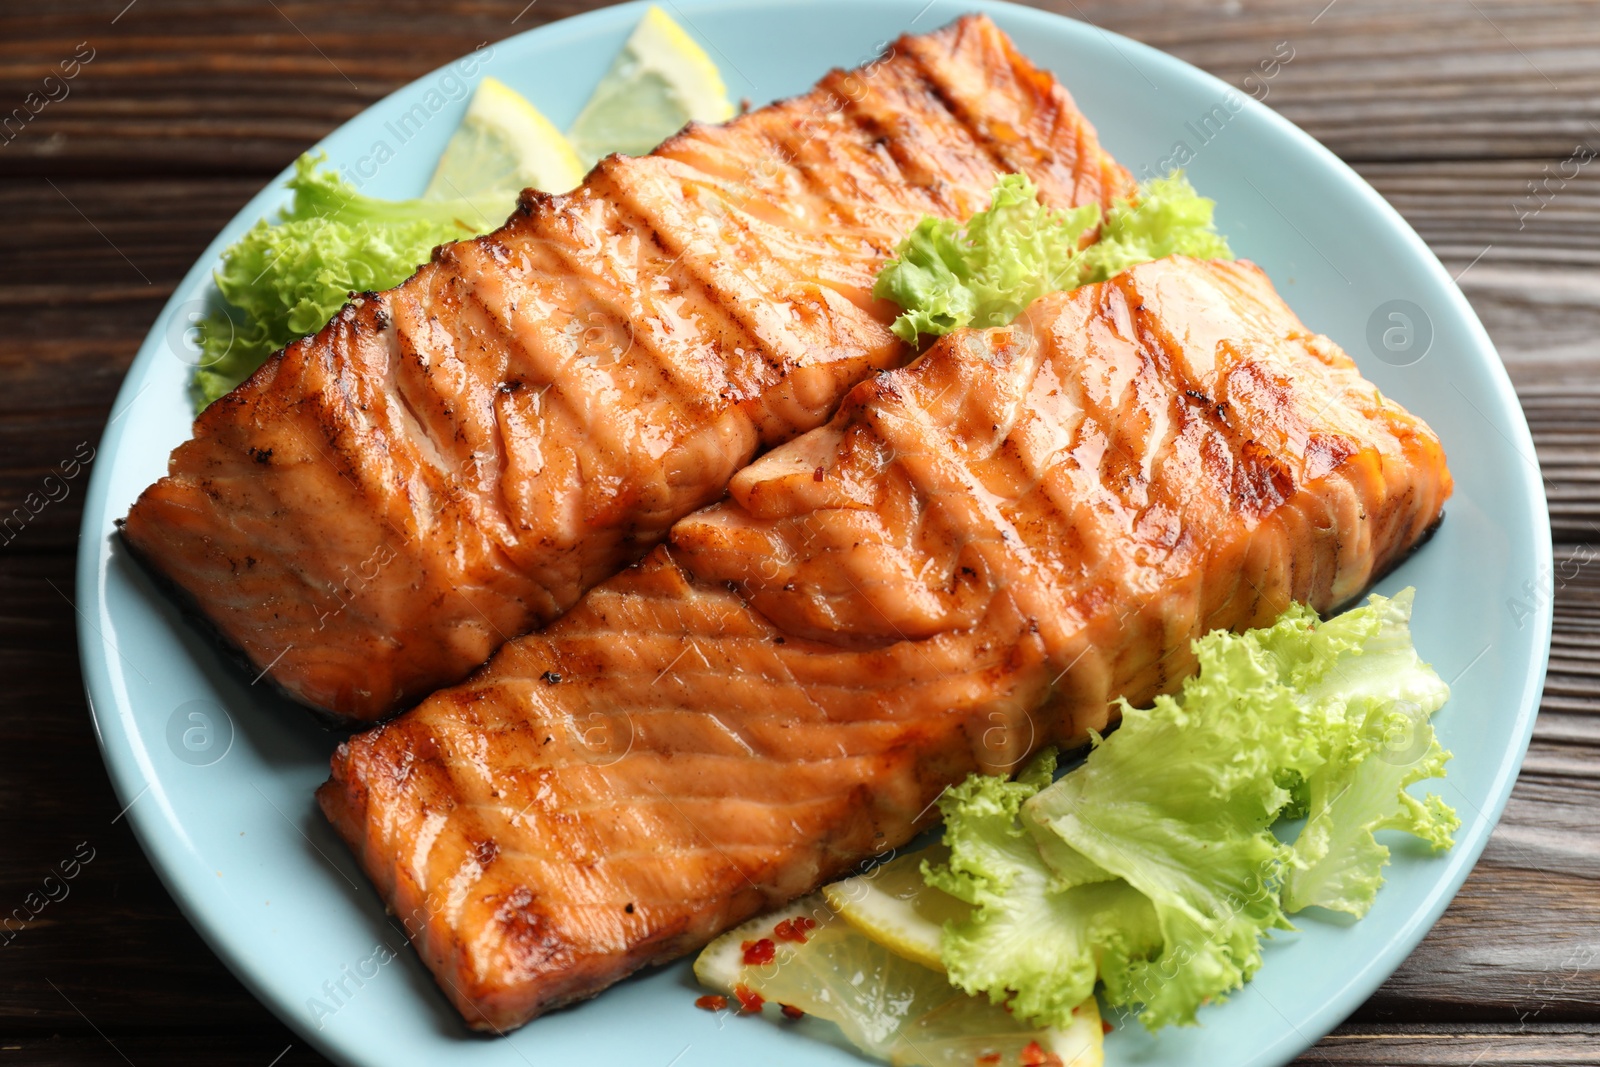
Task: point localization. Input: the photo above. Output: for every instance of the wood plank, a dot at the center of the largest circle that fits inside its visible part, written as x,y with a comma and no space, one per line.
241,86
1372,80
1458,1046
269,1044
1390,1045
227,86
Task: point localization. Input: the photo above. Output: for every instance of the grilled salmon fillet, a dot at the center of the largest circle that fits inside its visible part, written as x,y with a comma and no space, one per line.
971,560
453,462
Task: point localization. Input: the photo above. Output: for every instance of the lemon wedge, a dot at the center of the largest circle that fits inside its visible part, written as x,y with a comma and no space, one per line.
887,1005
893,906
658,82
504,144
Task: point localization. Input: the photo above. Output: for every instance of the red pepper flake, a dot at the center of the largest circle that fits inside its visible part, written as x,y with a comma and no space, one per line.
1034,1056
988,1059
712,1002
749,1000
758,952
794,929
792,1012
1105,1027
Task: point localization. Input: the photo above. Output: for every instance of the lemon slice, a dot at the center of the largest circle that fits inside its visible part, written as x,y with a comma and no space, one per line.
503,145
968,1030
886,1004
893,906
870,992
659,81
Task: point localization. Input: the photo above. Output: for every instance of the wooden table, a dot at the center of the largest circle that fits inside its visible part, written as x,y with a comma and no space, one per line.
179,110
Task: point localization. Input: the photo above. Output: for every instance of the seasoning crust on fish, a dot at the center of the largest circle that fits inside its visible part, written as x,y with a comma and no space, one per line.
453,462
971,560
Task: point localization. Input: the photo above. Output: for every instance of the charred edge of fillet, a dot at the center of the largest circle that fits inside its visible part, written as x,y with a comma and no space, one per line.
231,651
664,956
363,310
1388,568
344,801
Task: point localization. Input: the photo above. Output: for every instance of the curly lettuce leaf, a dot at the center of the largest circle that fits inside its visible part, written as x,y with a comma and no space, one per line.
1030,942
947,275
287,278
1154,863
983,273
1179,803
1167,218
1383,743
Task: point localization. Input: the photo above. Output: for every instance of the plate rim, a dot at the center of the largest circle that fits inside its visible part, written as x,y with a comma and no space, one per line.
154,830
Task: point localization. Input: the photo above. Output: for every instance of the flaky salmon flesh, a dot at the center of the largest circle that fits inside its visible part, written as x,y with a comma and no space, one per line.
970,561
451,463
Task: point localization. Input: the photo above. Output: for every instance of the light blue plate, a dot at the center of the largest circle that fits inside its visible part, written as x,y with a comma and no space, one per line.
221,799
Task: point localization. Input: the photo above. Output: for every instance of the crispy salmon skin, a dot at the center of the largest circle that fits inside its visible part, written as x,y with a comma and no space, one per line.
453,462
971,560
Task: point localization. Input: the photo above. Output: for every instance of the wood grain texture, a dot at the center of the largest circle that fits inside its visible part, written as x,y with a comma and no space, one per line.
1405,1045
1524,1045
1449,107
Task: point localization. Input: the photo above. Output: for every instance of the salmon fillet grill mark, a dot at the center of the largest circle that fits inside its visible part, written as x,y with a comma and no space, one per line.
971,560
453,462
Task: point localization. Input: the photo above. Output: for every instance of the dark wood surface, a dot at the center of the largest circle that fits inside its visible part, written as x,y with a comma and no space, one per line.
1449,108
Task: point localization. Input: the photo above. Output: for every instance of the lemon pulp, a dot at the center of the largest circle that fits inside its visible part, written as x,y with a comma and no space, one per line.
887,1005
893,906
659,81
504,144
